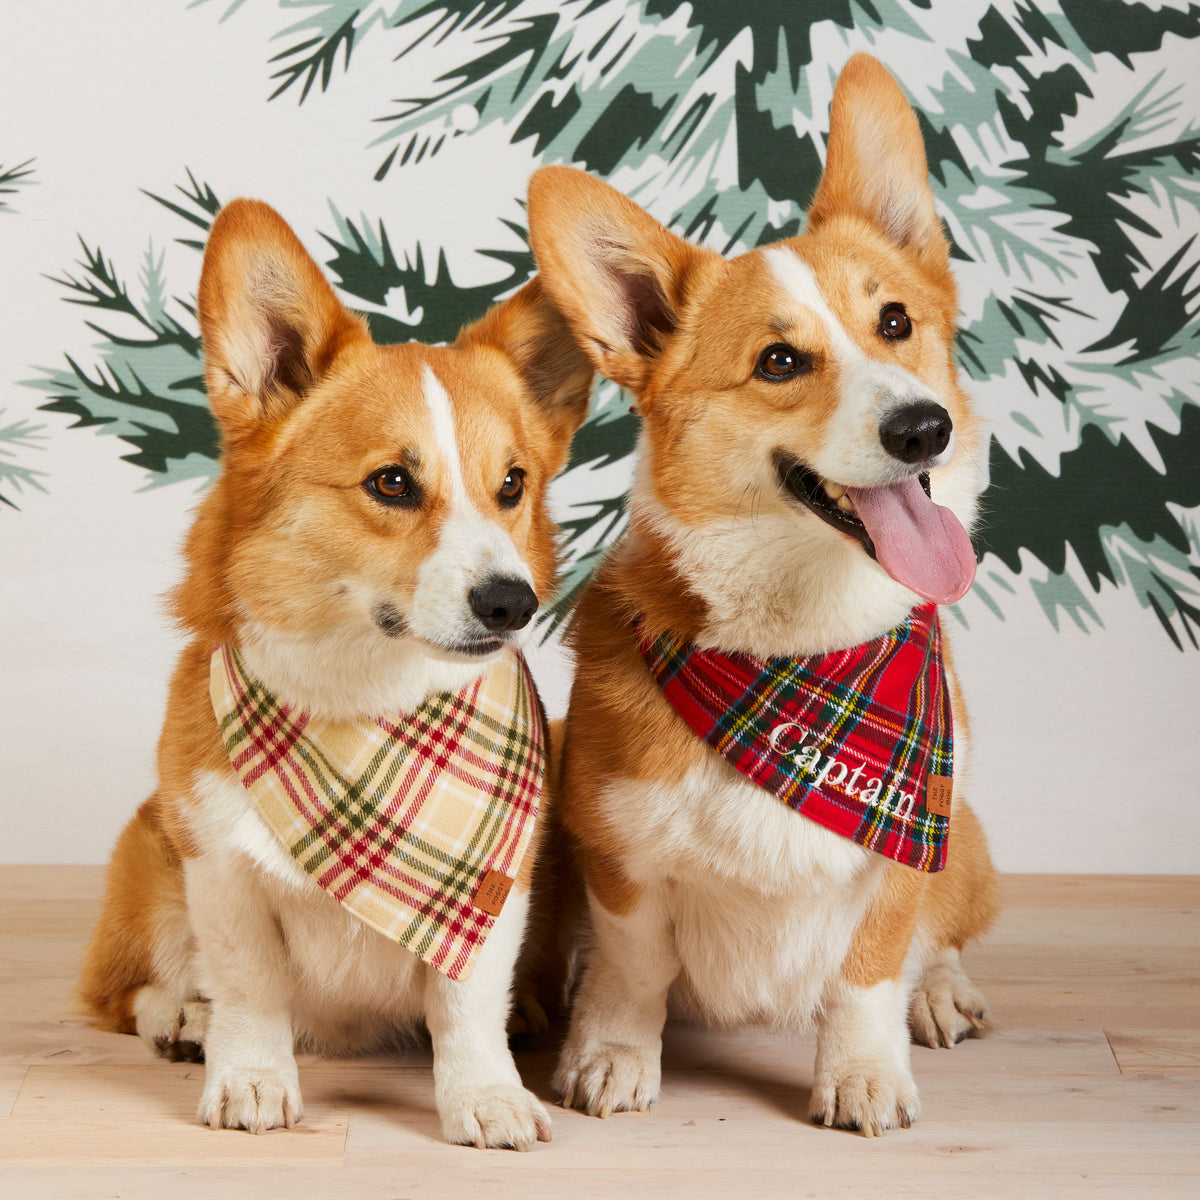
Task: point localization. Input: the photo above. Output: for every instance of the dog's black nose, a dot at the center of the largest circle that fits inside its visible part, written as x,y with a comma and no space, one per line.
916,432
503,604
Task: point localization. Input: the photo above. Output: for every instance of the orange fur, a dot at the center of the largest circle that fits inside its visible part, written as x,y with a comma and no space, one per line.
308,407
684,328
143,886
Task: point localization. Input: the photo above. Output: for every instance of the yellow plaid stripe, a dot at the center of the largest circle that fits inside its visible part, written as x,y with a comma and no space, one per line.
400,819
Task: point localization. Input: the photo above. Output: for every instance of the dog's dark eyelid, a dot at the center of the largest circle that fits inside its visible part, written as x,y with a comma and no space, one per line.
393,485
513,488
779,354
894,322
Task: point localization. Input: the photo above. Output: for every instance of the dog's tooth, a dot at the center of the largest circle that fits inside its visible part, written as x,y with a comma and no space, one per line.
846,504
834,491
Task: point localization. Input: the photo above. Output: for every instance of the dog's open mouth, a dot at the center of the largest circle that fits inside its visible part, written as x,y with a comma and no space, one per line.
829,500
917,542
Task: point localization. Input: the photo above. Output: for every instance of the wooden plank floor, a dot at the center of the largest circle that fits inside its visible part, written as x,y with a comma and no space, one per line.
1089,1087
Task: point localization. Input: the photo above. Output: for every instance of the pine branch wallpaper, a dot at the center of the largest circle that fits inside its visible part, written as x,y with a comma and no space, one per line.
397,135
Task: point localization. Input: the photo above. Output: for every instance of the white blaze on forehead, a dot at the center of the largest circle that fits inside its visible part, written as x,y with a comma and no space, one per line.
442,416
867,388
470,547
797,279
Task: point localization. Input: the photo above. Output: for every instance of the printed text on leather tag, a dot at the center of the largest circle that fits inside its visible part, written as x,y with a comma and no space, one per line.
492,892
938,792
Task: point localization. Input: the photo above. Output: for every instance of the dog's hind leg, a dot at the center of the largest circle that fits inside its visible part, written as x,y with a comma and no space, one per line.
959,905
139,967
171,1026
946,1006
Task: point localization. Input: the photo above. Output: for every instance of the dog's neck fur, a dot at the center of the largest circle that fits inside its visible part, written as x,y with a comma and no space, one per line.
773,583
353,671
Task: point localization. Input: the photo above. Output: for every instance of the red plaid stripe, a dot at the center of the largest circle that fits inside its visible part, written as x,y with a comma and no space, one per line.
401,819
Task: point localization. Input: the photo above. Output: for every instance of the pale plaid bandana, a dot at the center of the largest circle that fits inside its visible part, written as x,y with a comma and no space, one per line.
416,823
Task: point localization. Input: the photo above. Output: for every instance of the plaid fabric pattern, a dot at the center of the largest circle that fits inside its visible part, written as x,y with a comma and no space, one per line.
415,823
852,739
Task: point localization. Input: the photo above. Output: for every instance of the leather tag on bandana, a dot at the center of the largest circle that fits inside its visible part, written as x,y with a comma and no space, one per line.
492,893
938,793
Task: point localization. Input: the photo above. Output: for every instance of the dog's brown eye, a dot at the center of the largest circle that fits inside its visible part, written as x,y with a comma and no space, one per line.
781,362
512,488
894,323
392,485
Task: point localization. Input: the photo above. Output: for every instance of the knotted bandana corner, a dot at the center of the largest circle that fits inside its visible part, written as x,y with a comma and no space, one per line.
416,823
859,740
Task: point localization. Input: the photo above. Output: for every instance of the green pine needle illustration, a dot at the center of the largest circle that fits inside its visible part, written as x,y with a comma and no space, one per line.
15,437
1064,162
12,179
146,386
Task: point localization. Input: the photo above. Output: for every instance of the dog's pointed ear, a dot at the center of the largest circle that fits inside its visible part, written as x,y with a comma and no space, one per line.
270,322
530,331
616,274
875,163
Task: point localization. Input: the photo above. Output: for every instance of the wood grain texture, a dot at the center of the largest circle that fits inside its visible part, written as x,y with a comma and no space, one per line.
11,1080
66,1138
1154,1051
1088,1087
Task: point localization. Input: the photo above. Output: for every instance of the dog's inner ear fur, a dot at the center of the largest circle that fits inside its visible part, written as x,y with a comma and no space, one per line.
278,349
285,365
651,317
271,323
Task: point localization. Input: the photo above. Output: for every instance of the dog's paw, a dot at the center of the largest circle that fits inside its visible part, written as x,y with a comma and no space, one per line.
172,1027
609,1078
503,1117
256,1099
946,1006
865,1096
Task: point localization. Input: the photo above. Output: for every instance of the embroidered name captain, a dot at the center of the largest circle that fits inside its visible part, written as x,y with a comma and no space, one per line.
808,759
859,740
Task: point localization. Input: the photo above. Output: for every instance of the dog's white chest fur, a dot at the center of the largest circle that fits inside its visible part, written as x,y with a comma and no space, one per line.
762,902
353,986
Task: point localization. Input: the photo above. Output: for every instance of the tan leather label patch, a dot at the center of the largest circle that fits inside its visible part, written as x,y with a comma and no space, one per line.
492,892
939,790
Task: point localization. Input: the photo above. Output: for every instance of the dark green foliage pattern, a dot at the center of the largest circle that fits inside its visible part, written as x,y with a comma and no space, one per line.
12,179
1063,155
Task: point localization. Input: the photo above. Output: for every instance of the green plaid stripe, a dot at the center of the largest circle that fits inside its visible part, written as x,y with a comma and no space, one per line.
399,819
883,706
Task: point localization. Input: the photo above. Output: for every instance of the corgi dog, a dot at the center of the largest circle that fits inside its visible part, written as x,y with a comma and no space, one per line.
378,535
808,467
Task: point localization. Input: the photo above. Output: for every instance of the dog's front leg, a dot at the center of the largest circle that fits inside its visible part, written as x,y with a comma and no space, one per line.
480,1098
250,1079
612,1060
862,1077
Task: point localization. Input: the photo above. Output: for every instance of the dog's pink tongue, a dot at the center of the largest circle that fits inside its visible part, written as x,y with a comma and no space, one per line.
918,543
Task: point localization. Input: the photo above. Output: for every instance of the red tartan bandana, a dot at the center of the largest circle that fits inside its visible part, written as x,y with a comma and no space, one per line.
415,822
859,740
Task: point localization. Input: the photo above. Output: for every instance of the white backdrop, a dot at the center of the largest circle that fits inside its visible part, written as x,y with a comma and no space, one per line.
1084,742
